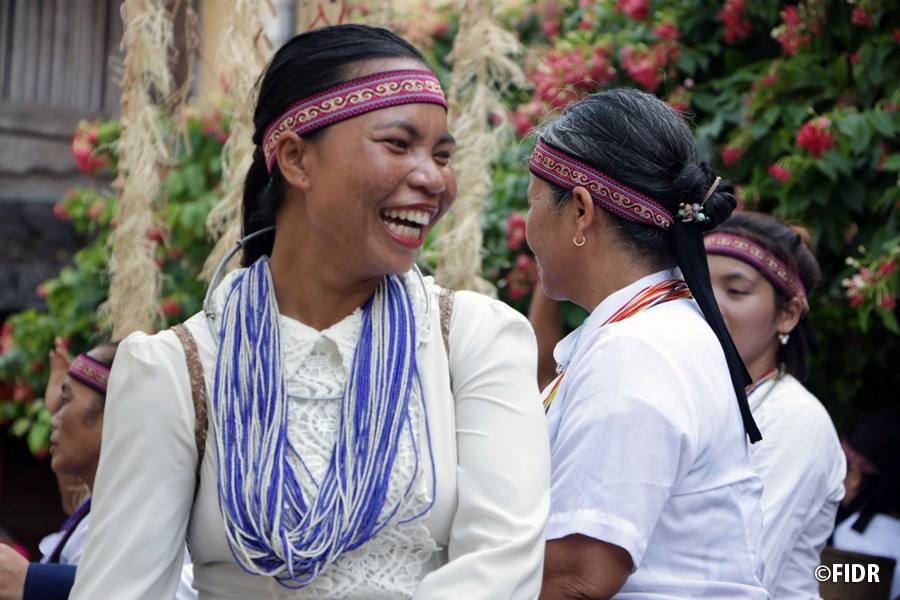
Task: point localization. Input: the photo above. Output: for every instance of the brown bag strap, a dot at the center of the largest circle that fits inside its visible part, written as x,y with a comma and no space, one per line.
198,392
445,302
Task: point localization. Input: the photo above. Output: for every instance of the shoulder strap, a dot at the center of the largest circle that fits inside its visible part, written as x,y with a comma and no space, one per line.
445,302
198,392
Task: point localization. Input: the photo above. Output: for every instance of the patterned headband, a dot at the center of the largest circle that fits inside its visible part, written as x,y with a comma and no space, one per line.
350,99
91,373
559,168
746,250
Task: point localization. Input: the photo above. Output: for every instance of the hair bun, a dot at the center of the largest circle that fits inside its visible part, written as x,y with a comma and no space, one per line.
694,183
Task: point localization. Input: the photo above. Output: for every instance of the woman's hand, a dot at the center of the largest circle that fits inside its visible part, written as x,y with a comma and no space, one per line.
13,568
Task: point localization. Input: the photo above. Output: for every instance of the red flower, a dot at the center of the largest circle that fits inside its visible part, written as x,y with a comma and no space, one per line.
515,230
642,67
155,235
522,277
37,366
666,31
170,307
96,209
634,9
6,333
731,155
60,212
889,301
780,173
853,58
83,149
816,137
886,268
796,31
861,17
22,392
734,16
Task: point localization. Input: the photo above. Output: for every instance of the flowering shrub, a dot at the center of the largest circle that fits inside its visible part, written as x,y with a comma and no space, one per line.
73,298
795,102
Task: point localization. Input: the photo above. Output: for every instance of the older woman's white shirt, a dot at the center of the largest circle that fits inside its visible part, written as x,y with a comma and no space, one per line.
648,452
802,467
484,533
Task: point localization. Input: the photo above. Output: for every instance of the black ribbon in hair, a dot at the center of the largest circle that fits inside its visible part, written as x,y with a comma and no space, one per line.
687,241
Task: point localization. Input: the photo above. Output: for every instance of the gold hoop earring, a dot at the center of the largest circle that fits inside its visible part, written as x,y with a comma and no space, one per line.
575,241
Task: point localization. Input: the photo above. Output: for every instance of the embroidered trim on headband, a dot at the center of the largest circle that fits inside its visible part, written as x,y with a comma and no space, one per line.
350,99
744,249
554,166
91,373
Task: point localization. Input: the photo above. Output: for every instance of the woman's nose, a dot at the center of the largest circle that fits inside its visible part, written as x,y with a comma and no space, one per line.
428,176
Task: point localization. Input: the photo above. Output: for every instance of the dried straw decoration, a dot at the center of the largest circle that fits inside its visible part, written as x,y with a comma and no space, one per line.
483,70
242,53
134,275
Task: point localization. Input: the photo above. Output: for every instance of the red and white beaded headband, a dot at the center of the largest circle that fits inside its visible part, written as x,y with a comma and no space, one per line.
559,168
350,99
91,373
746,250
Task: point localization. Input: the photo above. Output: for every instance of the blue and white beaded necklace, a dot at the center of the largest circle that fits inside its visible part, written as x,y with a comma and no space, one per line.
272,528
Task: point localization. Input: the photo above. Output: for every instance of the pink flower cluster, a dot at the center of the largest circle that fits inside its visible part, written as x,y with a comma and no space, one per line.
647,66
869,279
561,76
84,146
521,278
731,155
782,174
816,136
515,230
633,9
800,24
734,16
861,17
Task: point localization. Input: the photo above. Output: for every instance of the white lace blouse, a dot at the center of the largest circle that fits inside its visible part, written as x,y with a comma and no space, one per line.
481,538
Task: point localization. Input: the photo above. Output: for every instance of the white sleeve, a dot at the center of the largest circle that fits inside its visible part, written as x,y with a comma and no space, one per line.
145,481
625,439
496,545
796,467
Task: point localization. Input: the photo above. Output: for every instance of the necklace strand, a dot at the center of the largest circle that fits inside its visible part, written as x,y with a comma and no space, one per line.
664,291
272,527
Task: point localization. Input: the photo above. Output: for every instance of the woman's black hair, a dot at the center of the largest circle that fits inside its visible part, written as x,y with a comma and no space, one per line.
306,64
791,246
874,436
645,144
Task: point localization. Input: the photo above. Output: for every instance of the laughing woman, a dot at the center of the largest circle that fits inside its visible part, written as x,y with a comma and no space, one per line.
761,271
368,437
652,490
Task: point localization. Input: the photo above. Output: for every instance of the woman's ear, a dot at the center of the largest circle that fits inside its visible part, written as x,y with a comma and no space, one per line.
789,315
292,152
584,211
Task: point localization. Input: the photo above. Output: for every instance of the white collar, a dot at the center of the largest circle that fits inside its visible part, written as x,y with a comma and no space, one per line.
564,350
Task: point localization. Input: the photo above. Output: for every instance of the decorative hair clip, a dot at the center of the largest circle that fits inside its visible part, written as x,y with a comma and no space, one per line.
693,212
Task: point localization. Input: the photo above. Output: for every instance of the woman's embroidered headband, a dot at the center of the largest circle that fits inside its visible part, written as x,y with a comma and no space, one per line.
350,99
559,168
746,250
91,373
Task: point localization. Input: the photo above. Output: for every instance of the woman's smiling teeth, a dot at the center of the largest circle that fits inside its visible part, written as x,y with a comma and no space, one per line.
406,223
